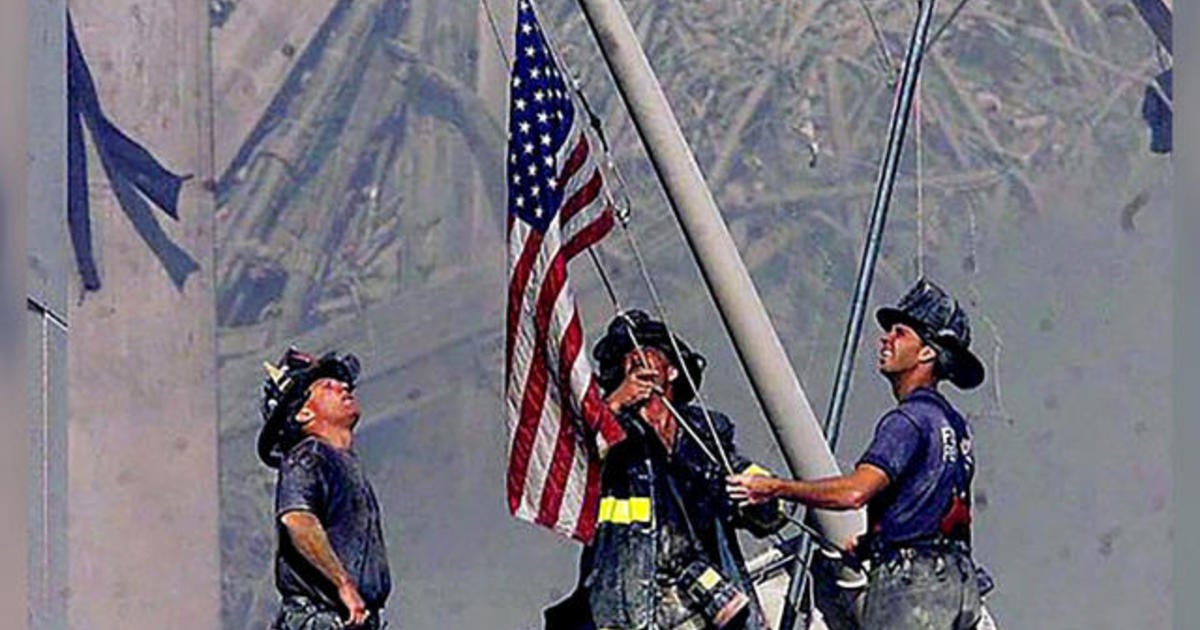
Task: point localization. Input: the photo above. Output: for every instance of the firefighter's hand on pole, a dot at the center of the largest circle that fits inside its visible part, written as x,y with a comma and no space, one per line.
747,490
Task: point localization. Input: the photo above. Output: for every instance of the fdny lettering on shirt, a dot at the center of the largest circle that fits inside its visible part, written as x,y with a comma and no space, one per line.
949,445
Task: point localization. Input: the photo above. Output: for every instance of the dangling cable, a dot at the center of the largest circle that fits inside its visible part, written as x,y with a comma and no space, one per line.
885,56
949,20
976,294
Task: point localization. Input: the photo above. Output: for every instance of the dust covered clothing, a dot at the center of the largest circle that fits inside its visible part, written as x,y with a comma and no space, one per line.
301,613
660,511
330,483
922,576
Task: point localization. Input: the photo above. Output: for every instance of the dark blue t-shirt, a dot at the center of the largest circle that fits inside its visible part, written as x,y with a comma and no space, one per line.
329,482
924,446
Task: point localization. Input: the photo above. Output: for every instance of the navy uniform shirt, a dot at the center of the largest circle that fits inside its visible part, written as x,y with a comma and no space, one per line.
924,446
329,482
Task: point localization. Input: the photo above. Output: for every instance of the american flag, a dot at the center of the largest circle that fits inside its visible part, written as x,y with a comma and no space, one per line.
557,207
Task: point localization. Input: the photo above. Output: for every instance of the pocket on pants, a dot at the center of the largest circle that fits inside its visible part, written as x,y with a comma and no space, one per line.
913,595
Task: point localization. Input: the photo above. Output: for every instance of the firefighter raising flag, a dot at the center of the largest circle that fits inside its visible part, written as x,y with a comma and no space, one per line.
557,207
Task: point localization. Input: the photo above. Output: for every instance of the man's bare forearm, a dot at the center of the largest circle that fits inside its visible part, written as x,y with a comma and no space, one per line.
847,492
311,541
836,493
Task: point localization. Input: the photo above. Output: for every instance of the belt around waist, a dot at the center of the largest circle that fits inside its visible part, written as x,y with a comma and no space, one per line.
883,550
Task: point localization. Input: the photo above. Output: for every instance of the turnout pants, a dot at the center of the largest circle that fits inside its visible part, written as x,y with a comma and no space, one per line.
922,589
302,613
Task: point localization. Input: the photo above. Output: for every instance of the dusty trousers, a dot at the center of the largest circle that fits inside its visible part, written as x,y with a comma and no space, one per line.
922,590
301,613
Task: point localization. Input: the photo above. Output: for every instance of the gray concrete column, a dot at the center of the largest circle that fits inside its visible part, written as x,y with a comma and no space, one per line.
33,190
143,502
14,473
49,278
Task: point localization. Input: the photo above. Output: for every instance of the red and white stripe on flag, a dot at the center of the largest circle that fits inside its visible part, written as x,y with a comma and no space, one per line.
559,425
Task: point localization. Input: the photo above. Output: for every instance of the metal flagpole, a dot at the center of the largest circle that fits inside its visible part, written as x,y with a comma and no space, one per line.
866,272
775,384
883,197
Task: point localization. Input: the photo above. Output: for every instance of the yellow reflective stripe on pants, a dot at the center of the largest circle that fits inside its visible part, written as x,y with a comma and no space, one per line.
624,511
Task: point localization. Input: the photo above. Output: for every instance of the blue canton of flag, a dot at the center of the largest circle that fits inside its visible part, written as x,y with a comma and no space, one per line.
541,117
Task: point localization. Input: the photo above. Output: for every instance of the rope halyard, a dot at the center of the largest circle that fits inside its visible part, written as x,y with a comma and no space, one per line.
491,16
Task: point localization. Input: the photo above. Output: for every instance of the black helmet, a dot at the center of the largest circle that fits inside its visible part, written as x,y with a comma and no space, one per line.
285,391
610,352
942,323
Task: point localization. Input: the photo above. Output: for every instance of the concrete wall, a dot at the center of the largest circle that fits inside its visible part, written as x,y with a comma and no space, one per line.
142,436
